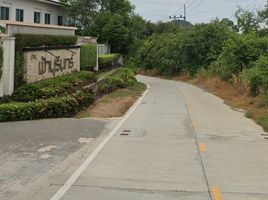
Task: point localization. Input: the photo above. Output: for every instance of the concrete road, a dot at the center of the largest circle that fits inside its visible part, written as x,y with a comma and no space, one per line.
30,150
179,143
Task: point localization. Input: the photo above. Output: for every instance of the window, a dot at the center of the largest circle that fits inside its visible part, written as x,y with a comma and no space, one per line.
60,20
47,18
37,17
19,15
4,15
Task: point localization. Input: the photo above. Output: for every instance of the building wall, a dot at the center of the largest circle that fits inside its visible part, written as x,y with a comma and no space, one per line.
30,6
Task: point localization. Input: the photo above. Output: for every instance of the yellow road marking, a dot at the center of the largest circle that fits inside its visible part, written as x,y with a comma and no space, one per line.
217,193
194,125
202,147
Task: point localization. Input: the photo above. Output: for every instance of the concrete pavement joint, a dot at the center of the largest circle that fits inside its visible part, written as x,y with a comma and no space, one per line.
138,190
60,193
199,152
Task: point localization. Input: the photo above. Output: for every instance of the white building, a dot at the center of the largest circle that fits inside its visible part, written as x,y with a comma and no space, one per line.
33,11
35,17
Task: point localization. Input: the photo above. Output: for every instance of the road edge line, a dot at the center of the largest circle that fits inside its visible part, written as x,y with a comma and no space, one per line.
68,184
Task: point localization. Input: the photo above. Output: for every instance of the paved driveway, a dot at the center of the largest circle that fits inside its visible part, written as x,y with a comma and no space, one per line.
29,150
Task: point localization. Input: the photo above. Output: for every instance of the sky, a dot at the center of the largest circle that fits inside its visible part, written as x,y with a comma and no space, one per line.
198,11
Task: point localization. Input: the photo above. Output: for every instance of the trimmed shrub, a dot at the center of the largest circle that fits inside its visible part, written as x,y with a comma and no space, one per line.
32,40
58,86
50,108
108,60
121,79
1,61
88,56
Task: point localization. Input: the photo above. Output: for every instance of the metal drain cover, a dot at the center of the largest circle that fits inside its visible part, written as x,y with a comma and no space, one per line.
132,132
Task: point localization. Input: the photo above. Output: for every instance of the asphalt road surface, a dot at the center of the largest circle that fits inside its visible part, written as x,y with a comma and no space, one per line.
180,142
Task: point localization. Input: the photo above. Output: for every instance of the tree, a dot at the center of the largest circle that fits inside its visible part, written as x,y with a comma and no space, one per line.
246,21
116,34
263,14
81,12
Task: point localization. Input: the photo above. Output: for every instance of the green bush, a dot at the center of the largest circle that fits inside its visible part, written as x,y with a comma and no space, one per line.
186,51
58,86
88,57
50,108
1,61
32,40
121,79
257,77
238,54
108,60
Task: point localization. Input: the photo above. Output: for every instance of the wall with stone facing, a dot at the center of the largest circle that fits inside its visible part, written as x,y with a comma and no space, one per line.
43,63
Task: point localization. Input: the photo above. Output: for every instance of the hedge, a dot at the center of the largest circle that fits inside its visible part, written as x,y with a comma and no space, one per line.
58,86
88,57
108,60
56,107
1,61
121,79
32,40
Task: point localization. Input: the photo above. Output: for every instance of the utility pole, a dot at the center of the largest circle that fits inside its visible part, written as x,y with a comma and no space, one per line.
180,16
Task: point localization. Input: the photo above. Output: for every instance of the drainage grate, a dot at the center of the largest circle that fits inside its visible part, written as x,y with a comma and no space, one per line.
266,138
132,132
264,134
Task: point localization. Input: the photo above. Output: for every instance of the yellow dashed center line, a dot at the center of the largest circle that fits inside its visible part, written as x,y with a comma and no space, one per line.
202,147
194,124
216,193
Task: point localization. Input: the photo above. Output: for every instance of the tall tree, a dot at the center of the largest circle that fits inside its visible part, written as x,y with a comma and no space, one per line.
247,21
81,12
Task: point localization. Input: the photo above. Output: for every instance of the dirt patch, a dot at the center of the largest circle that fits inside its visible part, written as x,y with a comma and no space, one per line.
115,104
115,108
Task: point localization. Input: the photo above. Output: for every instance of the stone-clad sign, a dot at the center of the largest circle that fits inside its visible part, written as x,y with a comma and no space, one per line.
43,63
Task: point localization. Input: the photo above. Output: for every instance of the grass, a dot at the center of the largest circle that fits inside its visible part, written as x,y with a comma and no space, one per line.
105,72
120,99
263,121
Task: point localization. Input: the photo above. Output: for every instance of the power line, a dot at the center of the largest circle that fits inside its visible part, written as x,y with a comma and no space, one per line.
197,5
189,4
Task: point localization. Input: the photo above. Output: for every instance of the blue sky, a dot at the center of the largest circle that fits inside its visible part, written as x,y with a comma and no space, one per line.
199,10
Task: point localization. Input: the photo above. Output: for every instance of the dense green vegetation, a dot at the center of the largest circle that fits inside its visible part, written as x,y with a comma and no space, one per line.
31,40
54,107
215,49
112,21
108,60
88,57
1,61
122,78
58,86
